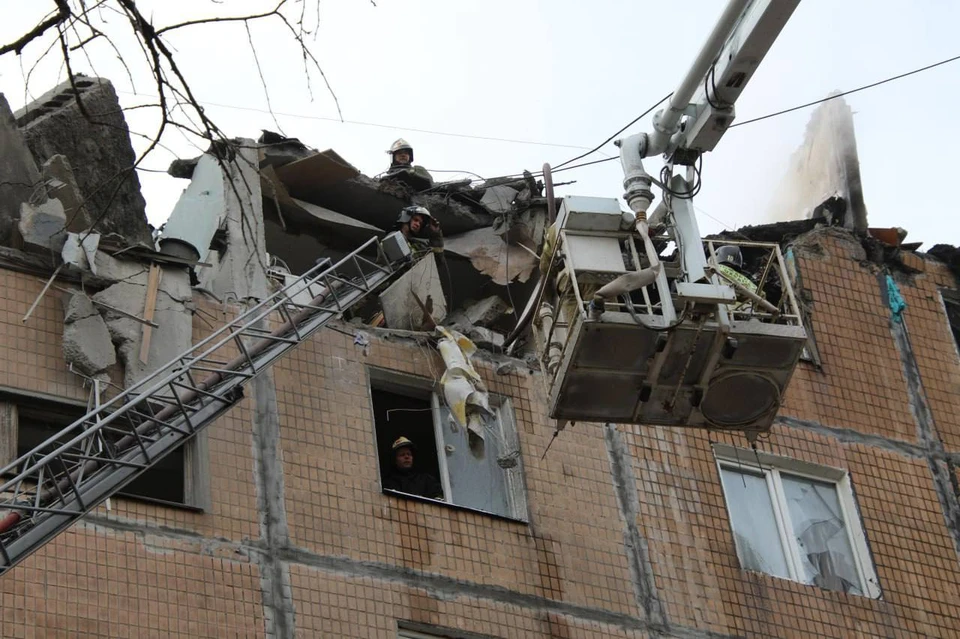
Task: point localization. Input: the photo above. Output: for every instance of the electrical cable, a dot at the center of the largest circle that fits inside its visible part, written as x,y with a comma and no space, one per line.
840,95
563,167
375,124
627,126
660,329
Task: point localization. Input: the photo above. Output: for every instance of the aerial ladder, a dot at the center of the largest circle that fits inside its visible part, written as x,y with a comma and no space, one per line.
50,487
630,332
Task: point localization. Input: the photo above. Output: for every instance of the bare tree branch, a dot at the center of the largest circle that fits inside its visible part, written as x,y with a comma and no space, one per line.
191,23
63,12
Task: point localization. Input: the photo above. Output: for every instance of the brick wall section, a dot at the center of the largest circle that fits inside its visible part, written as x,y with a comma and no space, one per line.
32,352
359,560
861,385
935,349
335,507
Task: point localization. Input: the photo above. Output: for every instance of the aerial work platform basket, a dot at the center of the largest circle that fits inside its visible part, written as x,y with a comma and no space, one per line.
701,354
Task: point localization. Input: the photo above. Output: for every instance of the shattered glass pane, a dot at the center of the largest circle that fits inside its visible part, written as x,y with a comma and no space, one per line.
826,555
754,524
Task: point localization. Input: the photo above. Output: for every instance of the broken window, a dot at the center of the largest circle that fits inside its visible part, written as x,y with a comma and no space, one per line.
170,481
796,521
477,471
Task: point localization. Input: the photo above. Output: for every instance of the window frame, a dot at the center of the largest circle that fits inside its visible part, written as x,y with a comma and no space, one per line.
197,494
415,386
771,468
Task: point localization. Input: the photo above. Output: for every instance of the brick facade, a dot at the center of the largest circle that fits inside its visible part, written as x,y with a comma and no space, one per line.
628,533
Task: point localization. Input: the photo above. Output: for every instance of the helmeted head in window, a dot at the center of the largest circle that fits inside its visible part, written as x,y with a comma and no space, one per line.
401,154
403,450
416,221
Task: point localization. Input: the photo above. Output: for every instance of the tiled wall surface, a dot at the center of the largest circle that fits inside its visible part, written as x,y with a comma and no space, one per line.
355,561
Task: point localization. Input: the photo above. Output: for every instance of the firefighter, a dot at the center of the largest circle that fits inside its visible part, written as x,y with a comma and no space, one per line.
416,223
730,263
405,478
402,168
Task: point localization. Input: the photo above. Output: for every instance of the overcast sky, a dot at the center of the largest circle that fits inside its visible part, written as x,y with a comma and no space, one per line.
562,74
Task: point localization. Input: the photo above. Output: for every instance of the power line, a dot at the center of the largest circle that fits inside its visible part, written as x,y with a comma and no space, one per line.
628,125
379,126
563,167
840,95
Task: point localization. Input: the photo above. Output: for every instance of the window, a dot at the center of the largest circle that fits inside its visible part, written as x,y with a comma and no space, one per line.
479,474
796,520
176,479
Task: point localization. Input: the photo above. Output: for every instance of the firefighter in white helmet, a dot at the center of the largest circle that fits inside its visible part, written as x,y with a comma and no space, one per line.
403,169
416,223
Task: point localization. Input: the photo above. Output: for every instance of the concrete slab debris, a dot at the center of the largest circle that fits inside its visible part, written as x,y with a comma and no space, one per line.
483,313
62,185
19,177
493,257
174,331
43,227
86,340
98,148
80,251
400,308
112,269
499,199
306,178
277,150
336,223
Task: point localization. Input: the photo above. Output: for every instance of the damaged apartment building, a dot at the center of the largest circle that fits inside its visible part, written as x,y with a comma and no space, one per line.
843,518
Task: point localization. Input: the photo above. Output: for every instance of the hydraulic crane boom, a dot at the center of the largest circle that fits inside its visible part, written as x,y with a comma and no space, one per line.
52,486
628,336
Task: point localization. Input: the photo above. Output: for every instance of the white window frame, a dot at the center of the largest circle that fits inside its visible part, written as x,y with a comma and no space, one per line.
771,467
405,384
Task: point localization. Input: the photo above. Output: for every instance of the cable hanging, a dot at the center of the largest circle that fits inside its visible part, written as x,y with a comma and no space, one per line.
840,95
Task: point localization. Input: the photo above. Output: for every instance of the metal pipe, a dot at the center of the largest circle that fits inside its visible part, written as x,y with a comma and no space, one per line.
665,122
636,181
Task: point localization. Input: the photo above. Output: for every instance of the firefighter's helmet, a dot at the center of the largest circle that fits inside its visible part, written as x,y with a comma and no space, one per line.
408,212
401,145
731,256
403,442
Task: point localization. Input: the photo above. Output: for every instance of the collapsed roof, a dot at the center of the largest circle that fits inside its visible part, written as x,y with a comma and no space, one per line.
257,213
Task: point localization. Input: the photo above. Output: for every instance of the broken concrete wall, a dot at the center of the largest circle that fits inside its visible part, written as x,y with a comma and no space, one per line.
87,347
173,334
238,271
19,177
826,165
98,149
402,310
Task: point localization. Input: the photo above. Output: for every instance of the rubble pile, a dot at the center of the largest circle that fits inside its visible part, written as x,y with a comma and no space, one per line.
255,214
